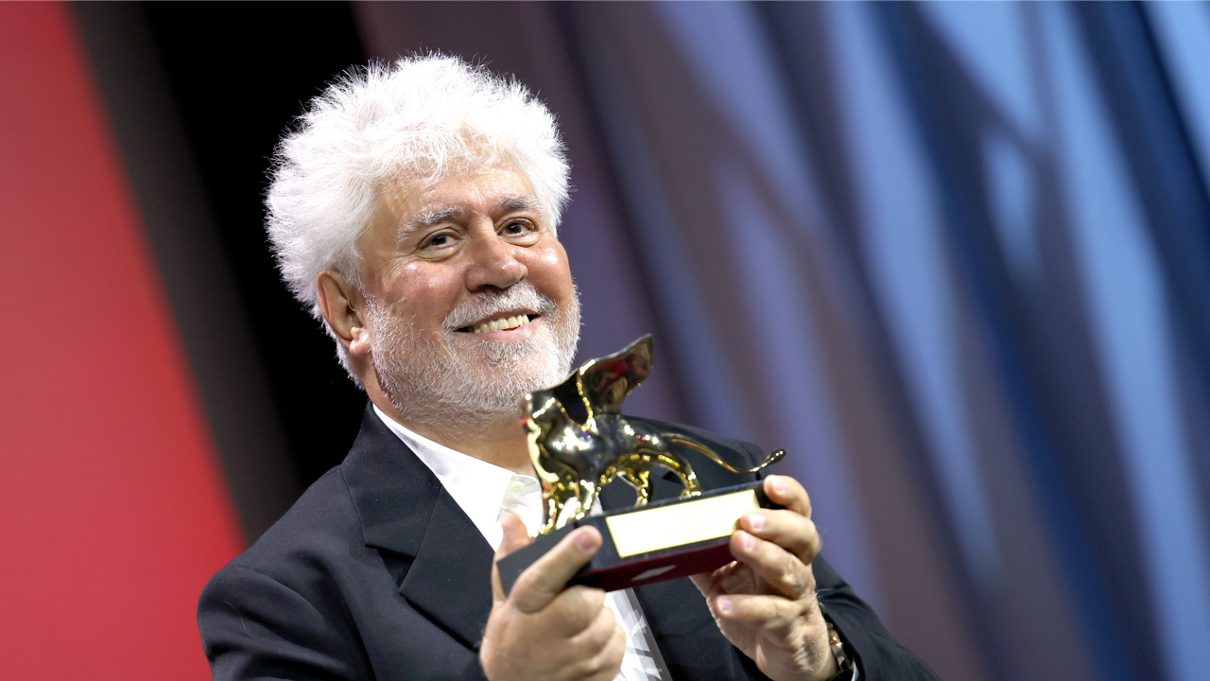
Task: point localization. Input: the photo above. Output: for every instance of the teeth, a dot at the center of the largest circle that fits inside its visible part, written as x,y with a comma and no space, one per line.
502,324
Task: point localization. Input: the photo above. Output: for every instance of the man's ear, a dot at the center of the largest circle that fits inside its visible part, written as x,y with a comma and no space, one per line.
341,306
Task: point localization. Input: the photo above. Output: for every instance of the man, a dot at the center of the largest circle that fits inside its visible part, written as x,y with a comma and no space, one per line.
415,212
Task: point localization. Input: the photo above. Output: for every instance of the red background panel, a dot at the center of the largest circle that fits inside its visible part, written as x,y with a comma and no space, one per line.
114,512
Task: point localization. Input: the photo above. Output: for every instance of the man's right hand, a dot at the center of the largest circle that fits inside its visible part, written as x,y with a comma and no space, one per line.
544,632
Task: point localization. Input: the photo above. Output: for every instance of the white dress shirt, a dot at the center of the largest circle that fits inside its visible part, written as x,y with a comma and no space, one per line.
485,492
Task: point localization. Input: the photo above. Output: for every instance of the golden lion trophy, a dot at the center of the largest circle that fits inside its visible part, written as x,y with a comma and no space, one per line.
579,442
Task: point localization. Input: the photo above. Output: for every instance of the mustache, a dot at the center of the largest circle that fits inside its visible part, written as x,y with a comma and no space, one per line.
487,304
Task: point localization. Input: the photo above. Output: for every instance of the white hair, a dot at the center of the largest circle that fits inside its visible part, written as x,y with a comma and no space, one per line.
420,119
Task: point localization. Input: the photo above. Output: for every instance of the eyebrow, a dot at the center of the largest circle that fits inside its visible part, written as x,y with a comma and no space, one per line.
513,203
429,219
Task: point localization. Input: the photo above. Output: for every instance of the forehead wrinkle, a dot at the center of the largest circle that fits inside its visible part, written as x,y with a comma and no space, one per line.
397,202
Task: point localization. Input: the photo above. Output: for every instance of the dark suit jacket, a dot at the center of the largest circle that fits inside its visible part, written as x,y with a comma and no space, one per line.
376,573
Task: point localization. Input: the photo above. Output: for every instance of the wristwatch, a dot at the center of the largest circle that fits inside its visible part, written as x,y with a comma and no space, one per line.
844,665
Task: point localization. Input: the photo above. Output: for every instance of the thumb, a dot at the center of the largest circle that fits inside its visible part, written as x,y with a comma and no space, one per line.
515,537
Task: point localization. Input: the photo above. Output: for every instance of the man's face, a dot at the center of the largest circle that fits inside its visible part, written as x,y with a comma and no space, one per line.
470,298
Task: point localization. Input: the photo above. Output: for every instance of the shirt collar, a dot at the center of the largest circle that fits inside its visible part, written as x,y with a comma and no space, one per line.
481,489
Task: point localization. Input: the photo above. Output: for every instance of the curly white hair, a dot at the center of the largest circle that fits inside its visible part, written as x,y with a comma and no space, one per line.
417,119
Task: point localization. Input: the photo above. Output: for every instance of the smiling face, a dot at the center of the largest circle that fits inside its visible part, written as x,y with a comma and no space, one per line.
470,301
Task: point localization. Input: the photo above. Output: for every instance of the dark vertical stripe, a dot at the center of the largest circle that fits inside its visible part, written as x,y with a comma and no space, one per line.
1161,158
1164,167
180,226
1098,551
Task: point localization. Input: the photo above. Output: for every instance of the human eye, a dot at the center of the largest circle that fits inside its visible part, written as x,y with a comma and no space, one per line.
518,229
437,242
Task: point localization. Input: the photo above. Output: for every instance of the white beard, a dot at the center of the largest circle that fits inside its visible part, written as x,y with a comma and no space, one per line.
459,381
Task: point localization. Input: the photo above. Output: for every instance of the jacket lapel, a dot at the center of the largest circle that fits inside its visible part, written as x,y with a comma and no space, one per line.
405,510
450,582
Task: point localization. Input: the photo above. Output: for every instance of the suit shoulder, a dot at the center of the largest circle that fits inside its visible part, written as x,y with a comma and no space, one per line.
323,522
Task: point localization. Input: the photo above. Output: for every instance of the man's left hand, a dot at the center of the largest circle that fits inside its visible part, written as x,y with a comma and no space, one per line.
764,603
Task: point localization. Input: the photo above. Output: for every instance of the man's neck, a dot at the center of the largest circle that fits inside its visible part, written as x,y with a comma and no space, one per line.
500,442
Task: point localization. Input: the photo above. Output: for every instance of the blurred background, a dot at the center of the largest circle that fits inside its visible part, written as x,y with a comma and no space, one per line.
954,257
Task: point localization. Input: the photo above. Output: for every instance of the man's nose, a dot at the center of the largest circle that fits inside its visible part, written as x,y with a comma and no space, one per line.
493,263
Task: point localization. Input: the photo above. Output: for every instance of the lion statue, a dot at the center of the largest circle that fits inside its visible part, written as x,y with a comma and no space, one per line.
579,442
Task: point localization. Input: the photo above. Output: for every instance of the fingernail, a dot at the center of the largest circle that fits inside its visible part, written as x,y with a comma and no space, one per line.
779,485
586,541
723,605
756,521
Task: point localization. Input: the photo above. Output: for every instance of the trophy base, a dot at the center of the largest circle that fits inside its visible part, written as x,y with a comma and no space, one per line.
654,543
